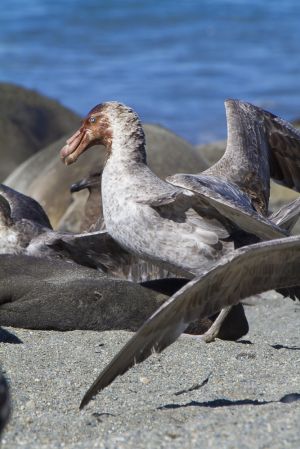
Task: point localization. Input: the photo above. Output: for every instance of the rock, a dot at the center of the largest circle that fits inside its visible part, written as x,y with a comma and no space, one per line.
211,152
47,180
29,122
74,218
281,195
168,153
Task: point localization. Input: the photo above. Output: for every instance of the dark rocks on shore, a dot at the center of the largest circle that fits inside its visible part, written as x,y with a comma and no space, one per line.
29,122
211,152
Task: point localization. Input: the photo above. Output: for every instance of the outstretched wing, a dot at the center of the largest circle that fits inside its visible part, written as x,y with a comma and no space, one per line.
247,271
283,151
260,145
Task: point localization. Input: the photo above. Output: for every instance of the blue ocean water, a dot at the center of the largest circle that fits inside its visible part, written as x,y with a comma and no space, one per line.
174,62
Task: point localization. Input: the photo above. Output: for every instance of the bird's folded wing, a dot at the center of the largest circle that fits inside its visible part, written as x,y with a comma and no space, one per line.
179,205
100,250
165,198
246,271
244,218
94,249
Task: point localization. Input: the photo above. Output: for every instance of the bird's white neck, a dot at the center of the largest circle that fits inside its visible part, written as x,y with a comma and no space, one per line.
128,142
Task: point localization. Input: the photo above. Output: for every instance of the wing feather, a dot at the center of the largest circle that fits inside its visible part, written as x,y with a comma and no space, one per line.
247,271
236,211
99,250
260,145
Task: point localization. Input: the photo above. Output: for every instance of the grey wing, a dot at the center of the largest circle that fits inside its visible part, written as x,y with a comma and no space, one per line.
260,145
235,210
284,151
99,250
248,271
93,249
164,198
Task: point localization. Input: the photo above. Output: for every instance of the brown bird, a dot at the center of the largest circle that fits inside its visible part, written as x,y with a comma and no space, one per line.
93,217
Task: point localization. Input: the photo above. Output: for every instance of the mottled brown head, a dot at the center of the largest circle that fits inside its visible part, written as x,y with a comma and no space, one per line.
95,129
112,124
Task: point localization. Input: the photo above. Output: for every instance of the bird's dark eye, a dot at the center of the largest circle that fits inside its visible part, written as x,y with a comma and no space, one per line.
92,119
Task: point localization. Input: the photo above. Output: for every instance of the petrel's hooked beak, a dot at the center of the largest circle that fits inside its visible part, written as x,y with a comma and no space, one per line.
80,141
95,129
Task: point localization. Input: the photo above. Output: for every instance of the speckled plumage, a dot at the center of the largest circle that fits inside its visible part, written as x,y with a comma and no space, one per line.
147,215
156,220
192,222
183,223
25,229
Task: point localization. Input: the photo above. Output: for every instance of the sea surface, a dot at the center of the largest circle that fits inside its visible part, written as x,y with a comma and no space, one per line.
173,61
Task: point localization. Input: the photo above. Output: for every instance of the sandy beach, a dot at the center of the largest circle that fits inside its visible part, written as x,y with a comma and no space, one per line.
250,400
